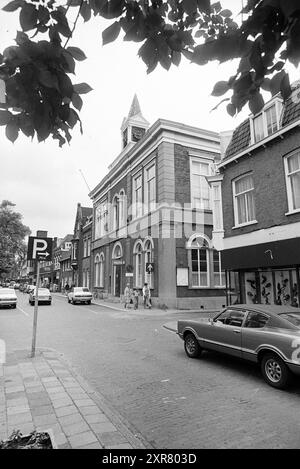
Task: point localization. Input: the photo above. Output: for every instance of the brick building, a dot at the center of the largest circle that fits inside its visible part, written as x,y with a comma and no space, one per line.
63,245
153,215
258,231
81,242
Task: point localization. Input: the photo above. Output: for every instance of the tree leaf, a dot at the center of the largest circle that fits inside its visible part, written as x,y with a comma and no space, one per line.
5,117
231,109
85,11
111,33
82,88
226,13
77,53
220,88
256,103
77,101
189,6
13,6
48,79
28,16
73,118
12,131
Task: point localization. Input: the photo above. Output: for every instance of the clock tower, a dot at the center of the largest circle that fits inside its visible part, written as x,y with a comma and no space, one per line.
134,125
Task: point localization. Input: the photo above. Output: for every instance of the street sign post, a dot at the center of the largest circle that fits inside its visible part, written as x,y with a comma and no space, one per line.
39,248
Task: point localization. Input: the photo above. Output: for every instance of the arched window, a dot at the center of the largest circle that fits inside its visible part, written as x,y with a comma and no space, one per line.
148,248
115,221
199,245
99,270
122,208
117,251
138,255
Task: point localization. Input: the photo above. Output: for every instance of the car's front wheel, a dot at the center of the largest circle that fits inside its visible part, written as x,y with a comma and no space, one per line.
275,371
191,346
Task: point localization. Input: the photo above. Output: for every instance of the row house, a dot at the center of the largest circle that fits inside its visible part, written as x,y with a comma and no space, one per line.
258,230
63,245
153,215
81,246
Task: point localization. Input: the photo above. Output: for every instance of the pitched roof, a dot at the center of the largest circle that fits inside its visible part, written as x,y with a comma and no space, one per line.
241,136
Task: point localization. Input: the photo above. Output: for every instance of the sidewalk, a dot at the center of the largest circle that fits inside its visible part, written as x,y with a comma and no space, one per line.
46,393
119,306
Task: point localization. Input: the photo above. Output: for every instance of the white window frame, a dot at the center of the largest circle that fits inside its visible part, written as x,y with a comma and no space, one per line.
217,207
277,102
290,201
149,278
138,263
99,270
150,207
220,273
137,206
235,206
115,213
122,208
204,160
101,218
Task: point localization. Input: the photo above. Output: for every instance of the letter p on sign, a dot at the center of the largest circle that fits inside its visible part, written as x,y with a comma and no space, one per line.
39,248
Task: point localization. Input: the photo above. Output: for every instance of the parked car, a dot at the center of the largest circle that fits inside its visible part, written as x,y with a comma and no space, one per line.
8,297
80,295
266,334
44,296
30,288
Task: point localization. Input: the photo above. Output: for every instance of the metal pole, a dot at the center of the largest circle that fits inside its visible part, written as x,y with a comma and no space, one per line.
36,304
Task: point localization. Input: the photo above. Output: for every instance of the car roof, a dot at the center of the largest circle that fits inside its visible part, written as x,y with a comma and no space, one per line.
272,310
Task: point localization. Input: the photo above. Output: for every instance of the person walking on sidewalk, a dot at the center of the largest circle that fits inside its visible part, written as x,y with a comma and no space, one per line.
127,296
135,298
146,296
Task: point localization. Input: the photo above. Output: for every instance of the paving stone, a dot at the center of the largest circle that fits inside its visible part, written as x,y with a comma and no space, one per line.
59,395
62,402
75,428
46,419
18,409
60,439
67,410
111,438
42,410
34,389
78,395
64,446
92,446
103,427
9,390
50,379
51,385
39,401
25,428
121,446
70,419
96,418
16,395
92,409
82,439
83,402
20,418
17,402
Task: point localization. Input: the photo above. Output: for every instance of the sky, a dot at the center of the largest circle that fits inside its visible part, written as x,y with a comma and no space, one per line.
44,181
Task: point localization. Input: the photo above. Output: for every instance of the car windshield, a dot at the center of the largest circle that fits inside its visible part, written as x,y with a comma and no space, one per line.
292,317
5,291
43,290
79,289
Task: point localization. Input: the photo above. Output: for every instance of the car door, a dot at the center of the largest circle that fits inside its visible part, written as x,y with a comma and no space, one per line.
225,332
255,332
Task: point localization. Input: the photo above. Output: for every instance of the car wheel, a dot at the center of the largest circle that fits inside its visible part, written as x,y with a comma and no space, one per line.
275,371
13,306
89,302
191,346
69,300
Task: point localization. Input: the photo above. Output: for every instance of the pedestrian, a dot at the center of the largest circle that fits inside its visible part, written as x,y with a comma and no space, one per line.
146,296
67,288
127,296
135,298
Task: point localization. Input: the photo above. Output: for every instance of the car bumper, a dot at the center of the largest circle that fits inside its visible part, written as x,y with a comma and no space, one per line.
82,299
8,302
43,300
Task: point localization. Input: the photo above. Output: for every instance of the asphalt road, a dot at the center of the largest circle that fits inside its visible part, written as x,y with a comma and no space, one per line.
143,372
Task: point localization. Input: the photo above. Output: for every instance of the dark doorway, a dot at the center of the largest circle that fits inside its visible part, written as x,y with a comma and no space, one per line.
117,280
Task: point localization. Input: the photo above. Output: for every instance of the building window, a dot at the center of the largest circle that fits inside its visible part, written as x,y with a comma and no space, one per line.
115,221
200,262
88,247
117,251
267,122
149,249
138,254
137,196
219,275
101,220
292,171
150,187
122,208
85,247
243,199
217,207
200,191
99,270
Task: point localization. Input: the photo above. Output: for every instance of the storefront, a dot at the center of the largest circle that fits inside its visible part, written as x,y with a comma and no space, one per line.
265,273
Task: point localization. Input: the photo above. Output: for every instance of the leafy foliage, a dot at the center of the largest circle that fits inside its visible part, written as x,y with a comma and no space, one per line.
41,98
12,234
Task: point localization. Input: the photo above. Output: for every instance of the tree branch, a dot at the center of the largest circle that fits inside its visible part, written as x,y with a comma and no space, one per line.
74,25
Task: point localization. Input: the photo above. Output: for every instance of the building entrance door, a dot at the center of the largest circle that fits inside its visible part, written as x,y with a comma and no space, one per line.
117,280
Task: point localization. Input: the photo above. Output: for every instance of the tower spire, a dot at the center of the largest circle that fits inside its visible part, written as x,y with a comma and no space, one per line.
135,108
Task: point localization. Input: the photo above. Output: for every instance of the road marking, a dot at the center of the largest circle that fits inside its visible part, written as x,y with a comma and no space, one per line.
22,310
